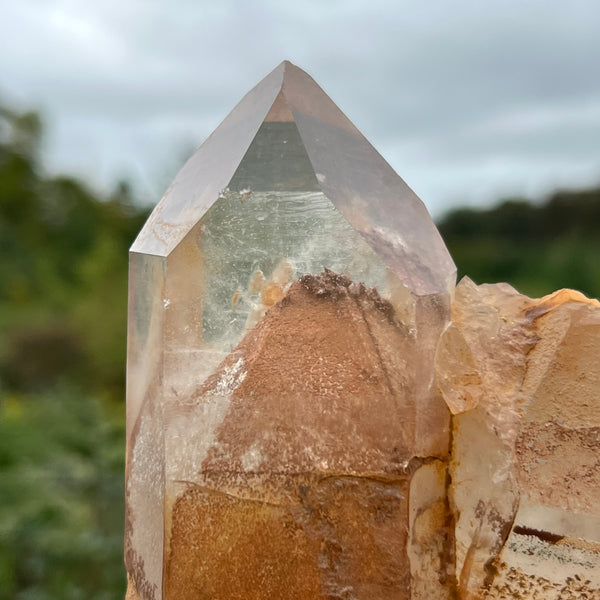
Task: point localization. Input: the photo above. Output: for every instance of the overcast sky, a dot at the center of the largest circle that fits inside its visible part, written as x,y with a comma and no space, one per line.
468,100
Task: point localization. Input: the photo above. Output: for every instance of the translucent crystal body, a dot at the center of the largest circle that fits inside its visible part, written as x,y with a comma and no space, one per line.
522,380
285,437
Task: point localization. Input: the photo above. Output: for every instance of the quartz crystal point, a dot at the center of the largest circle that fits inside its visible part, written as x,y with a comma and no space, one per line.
285,438
521,378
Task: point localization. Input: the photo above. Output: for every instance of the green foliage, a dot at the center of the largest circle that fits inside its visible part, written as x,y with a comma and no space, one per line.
63,271
537,248
63,294
61,497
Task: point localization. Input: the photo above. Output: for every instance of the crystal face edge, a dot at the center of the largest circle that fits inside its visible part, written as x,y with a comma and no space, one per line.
208,171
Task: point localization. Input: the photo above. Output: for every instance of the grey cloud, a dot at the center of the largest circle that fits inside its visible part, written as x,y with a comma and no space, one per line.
442,89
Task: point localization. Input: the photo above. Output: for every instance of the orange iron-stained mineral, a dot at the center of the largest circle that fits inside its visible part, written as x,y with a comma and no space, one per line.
521,379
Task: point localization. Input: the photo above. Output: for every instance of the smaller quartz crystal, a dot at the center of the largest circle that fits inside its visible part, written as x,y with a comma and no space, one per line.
521,378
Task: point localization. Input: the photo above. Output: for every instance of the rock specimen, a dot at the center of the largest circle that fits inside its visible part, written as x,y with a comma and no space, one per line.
314,411
285,435
521,378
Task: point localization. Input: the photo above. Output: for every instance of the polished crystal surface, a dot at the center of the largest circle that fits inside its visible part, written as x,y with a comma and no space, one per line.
285,436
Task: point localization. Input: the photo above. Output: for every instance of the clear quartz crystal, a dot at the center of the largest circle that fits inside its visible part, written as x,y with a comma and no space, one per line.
285,436
258,243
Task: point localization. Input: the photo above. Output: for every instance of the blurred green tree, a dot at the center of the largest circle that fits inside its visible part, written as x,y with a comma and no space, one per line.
63,294
61,498
538,248
63,270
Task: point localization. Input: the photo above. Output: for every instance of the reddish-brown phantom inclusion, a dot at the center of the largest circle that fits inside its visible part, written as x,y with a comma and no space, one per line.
304,492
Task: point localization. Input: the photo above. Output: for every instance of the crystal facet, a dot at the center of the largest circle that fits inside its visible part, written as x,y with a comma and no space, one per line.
285,436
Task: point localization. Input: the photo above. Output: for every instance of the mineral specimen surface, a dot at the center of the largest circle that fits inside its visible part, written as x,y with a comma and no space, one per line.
522,380
316,411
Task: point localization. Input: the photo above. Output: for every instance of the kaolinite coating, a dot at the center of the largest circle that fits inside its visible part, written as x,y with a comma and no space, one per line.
285,437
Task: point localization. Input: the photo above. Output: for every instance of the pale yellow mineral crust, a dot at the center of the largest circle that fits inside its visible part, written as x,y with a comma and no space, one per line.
521,378
131,593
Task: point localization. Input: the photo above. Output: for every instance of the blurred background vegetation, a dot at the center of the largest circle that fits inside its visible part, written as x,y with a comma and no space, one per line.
63,295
